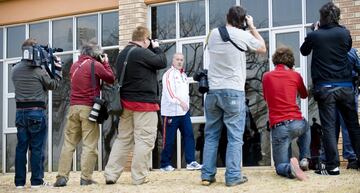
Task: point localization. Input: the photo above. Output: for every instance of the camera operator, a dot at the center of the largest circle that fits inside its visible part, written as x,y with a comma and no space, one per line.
78,126
225,101
332,79
31,84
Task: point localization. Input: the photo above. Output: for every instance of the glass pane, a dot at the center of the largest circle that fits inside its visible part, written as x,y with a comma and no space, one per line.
289,16
193,54
15,38
163,22
217,12
169,49
11,141
11,87
258,10
1,110
86,29
40,32
291,40
312,10
63,34
1,43
256,137
110,29
192,18
61,103
11,112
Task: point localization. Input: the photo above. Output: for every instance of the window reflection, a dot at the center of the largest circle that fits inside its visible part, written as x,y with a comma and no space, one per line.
110,29
63,34
1,43
11,112
286,12
193,54
11,88
1,107
217,12
11,141
163,22
15,38
169,49
40,32
258,10
291,40
192,18
86,29
312,10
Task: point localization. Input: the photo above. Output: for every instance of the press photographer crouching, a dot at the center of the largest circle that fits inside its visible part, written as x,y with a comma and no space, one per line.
32,79
85,75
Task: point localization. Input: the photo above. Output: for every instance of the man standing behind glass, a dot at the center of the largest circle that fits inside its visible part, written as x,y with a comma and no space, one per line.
332,78
225,101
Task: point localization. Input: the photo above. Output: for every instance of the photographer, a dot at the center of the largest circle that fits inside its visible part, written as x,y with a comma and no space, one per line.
31,84
225,101
78,126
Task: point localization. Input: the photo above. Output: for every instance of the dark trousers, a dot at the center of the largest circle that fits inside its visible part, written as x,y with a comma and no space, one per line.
31,134
329,100
171,124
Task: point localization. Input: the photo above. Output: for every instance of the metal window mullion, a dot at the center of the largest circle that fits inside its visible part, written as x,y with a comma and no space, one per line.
100,126
3,104
74,50
50,113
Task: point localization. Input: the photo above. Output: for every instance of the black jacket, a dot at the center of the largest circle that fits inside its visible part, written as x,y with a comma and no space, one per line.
140,80
330,45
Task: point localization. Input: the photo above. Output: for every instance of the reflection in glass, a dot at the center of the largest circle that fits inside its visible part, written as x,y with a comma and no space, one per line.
258,10
196,101
63,34
11,141
61,103
1,107
110,29
192,18
40,32
169,49
312,10
15,38
289,16
1,43
163,22
11,87
218,10
86,29
291,40
193,54
11,112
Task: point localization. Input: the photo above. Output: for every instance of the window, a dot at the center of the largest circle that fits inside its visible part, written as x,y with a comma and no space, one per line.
86,29
217,12
1,43
110,29
163,23
192,18
286,12
62,33
312,10
291,40
15,38
40,32
258,10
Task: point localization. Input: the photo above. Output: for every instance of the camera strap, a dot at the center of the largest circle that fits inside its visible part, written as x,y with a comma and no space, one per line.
121,78
226,37
78,68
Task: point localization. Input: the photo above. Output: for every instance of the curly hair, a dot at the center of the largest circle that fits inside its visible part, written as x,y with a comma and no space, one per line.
236,16
329,14
91,48
284,55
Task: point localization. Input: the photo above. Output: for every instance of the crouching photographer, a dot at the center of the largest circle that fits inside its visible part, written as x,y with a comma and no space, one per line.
85,76
31,82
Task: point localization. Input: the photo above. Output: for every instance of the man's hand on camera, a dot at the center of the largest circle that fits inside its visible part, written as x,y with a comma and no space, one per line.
155,43
104,58
58,67
250,22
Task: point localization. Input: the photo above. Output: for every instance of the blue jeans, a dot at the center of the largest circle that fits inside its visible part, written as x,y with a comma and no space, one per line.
224,106
31,134
171,124
281,141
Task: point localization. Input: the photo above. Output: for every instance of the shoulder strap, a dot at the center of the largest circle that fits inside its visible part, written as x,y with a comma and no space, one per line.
121,78
93,82
226,37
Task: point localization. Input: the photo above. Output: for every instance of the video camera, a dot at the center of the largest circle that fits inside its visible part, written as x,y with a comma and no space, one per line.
201,77
41,55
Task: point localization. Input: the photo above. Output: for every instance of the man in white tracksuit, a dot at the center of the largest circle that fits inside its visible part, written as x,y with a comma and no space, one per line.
175,113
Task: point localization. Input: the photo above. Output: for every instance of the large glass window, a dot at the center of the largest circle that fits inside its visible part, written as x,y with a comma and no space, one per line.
217,12
312,10
11,112
290,39
62,33
15,38
286,12
11,87
163,24
110,29
258,10
86,29
1,43
192,18
40,32
11,141
1,117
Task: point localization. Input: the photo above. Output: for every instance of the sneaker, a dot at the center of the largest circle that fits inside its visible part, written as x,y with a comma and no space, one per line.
241,181
304,164
323,171
168,168
206,182
20,187
43,185
60,182
84,182
352,164
193,166
295,169
109,182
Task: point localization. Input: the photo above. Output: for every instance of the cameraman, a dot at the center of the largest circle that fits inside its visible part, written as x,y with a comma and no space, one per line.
78,126
225,101
31,84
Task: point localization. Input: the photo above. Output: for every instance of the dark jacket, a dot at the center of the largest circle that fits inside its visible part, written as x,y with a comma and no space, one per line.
31,84
330,45
140,82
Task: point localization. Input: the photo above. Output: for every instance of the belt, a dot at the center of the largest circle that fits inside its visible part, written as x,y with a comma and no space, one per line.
31,108
282,123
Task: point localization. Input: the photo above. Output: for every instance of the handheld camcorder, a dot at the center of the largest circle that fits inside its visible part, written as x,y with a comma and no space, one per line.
201,77
41,55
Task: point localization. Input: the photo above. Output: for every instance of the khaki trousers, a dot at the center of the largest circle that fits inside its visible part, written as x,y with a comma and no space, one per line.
78,127
137,133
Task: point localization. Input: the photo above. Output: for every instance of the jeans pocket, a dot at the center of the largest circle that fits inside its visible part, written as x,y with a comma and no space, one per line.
35,123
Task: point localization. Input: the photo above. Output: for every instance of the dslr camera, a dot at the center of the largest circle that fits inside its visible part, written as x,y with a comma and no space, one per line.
201,77
100,57
95,111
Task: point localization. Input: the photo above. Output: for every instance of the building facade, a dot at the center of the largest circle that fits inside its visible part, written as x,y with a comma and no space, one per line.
181,26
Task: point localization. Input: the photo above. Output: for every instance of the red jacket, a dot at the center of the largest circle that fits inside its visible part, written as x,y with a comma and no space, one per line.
280,88
82,92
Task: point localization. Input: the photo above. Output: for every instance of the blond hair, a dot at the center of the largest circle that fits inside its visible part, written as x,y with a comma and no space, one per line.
140,34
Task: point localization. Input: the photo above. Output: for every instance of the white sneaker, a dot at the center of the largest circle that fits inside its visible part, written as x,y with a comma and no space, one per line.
193,166
20,187
43,185
168,168
304,164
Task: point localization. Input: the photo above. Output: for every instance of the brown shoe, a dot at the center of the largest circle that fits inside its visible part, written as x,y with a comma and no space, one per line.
295,169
